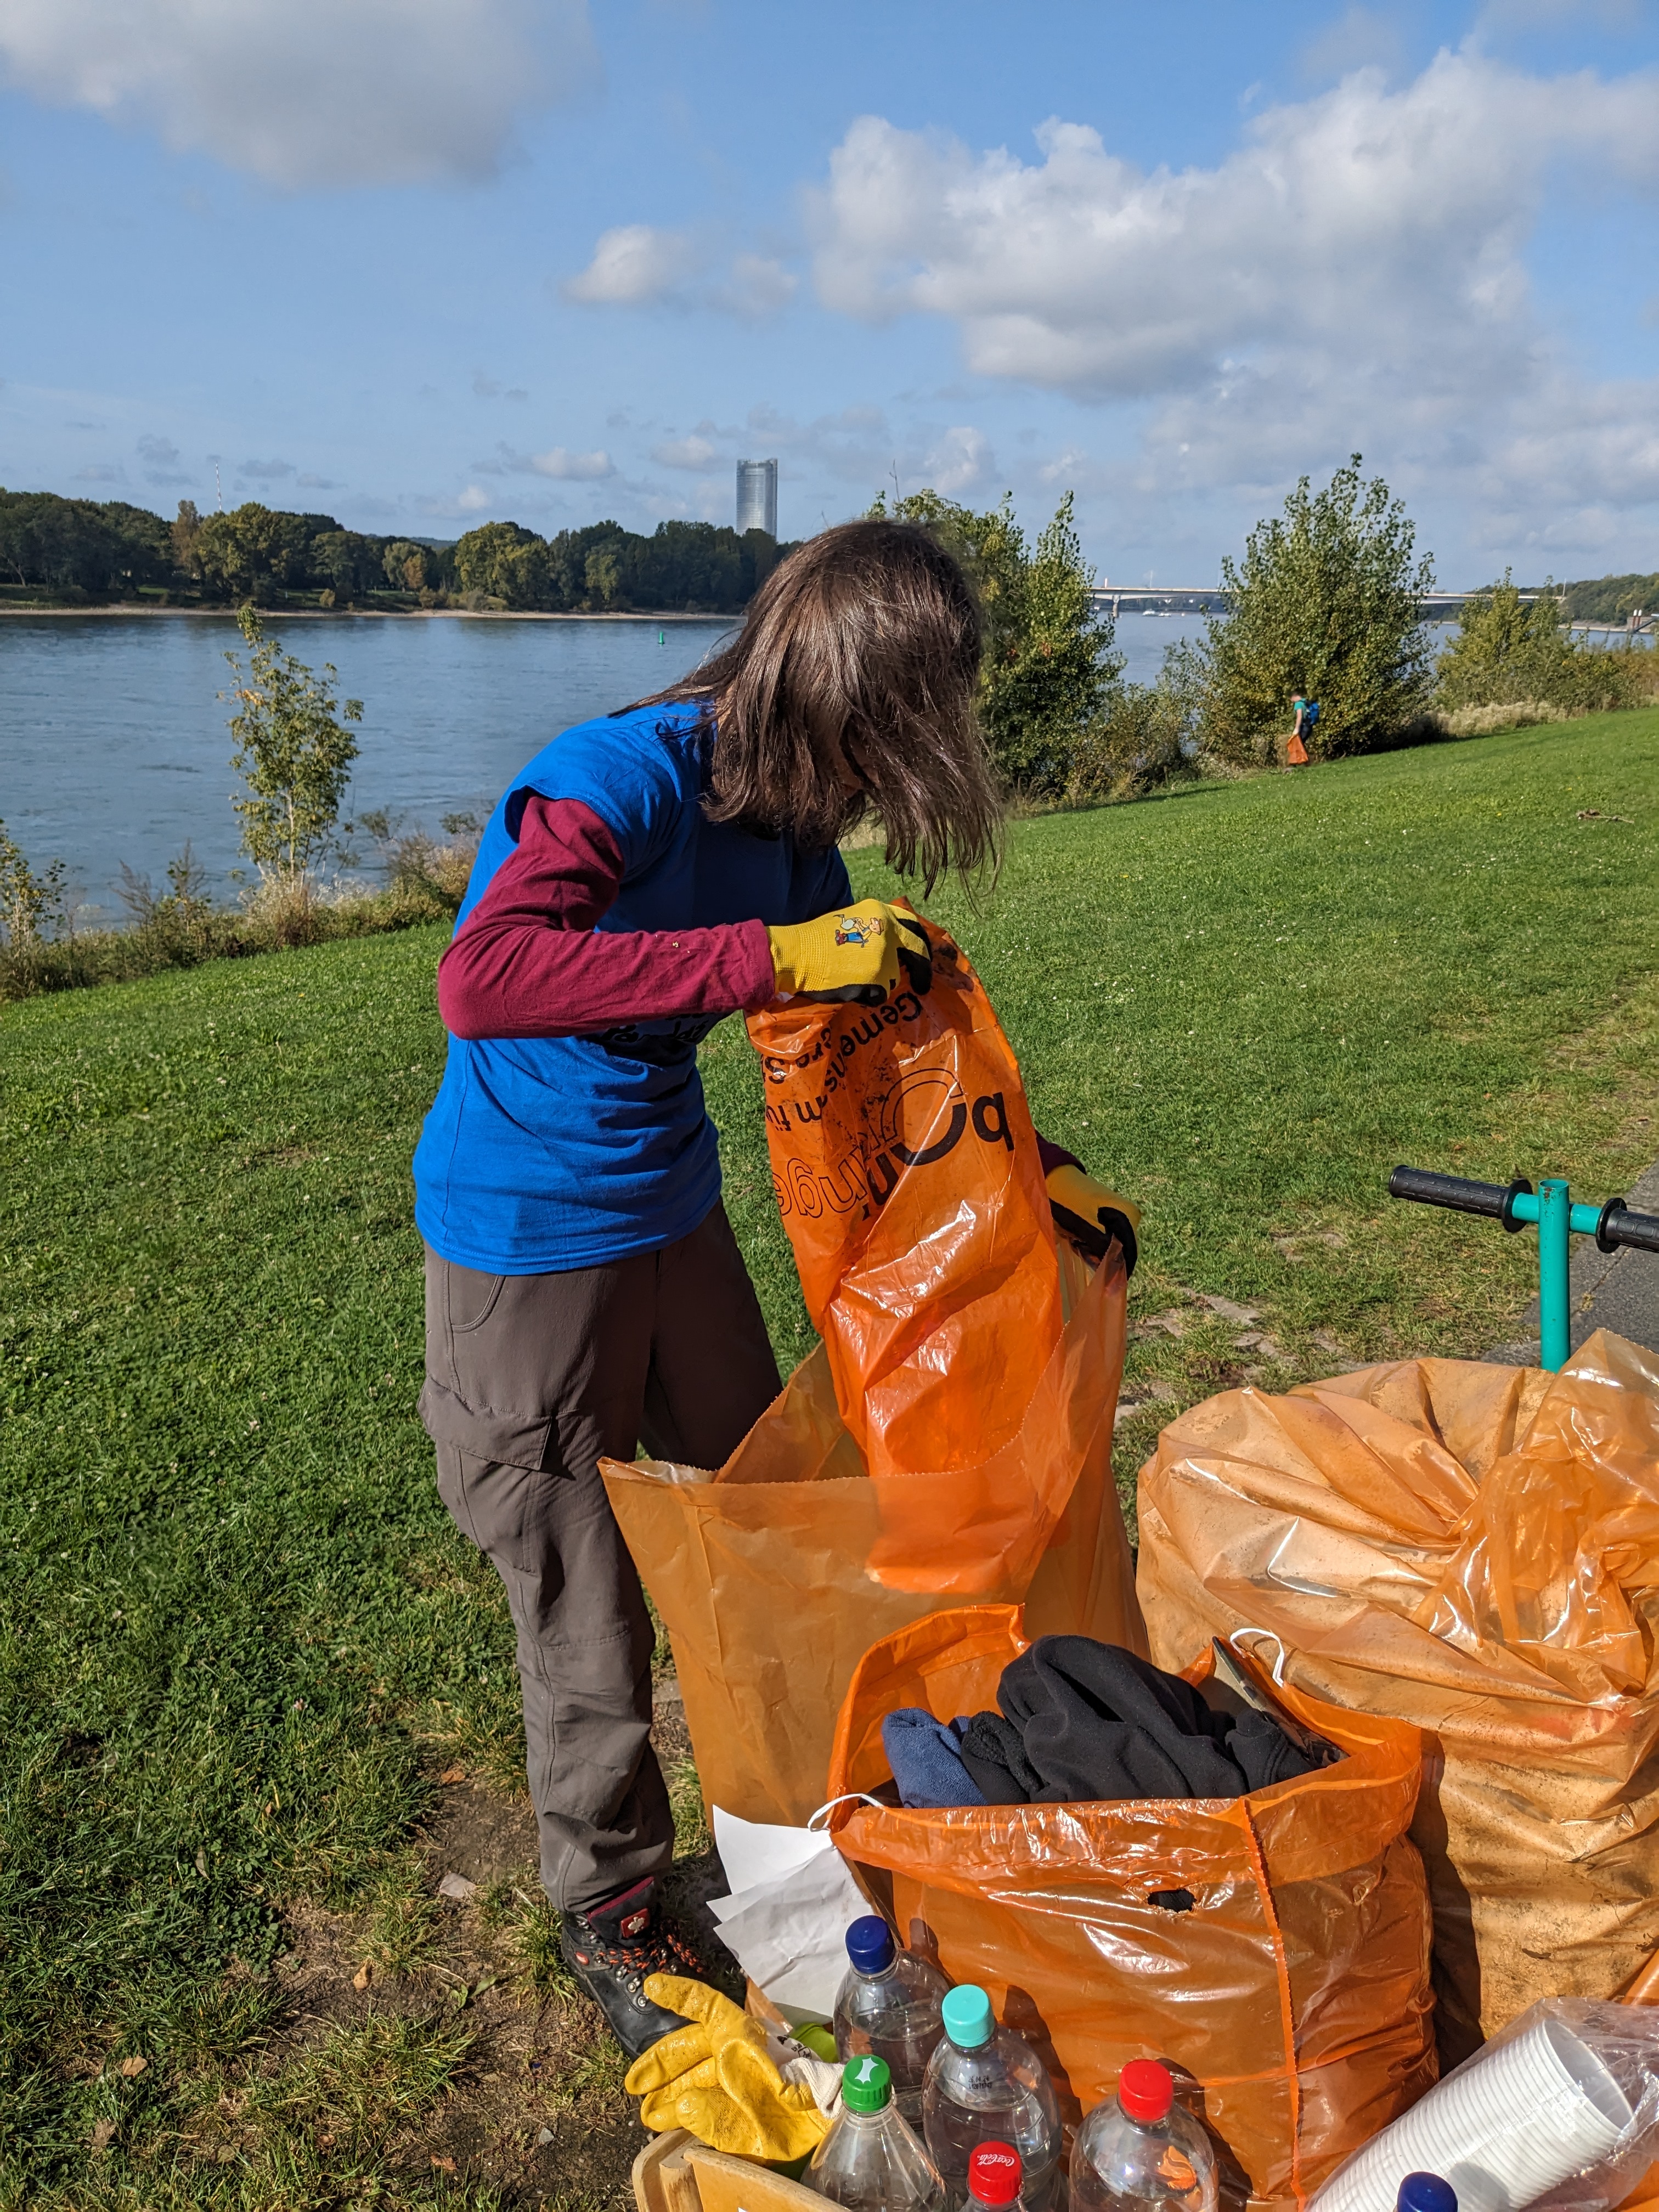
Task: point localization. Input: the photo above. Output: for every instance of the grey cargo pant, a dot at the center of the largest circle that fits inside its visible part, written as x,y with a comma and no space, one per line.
530,1379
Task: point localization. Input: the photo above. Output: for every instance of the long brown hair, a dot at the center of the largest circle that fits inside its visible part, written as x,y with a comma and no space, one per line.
863,647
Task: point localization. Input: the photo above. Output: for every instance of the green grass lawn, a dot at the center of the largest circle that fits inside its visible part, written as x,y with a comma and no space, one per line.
241,1644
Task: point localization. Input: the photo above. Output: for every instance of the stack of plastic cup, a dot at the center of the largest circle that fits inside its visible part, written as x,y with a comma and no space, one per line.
1504,2129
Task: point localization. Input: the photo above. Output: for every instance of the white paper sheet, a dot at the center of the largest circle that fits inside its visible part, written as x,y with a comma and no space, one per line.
787,1919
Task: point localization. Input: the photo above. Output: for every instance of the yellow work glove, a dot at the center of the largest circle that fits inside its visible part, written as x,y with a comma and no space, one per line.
1092,1215
851,952
717,2080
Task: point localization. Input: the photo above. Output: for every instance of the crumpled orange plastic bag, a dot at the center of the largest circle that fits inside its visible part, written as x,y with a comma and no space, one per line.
907,1175
1293,2001
762,1572
1475,1549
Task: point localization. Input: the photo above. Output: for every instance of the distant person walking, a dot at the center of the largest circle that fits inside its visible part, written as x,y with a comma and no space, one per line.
1306,712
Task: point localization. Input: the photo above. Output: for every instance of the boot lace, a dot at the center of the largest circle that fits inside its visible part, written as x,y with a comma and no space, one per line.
660,1951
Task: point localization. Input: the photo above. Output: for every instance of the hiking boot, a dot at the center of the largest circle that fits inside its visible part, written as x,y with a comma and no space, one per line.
610,1948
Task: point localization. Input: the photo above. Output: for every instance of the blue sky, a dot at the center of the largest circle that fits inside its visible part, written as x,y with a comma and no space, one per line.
418,263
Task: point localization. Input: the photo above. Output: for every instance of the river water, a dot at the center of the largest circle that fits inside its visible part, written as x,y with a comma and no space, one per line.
113,744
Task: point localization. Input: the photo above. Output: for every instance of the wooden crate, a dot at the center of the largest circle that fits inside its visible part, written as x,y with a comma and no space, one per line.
676,2173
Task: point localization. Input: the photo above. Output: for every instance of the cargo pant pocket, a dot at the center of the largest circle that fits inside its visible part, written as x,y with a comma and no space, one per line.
491,1472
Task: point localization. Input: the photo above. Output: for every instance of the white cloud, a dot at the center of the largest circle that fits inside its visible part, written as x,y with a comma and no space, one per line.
306,92
638,265
959,460
633,264
1354,275
473,500
572,468
558,461
692,452
270,471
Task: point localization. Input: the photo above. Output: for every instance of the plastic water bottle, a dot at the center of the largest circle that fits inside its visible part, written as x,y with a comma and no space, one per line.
1427,2192
985,2084
1142,2152
870,2161
995,2176
888,2007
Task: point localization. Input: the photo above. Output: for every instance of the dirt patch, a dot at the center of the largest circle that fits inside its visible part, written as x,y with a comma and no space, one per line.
537,2111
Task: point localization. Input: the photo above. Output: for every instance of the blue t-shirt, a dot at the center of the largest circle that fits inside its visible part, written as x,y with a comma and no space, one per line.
543,1154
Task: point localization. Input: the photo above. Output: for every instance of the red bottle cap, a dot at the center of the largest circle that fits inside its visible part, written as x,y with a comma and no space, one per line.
1145,2090
994,2174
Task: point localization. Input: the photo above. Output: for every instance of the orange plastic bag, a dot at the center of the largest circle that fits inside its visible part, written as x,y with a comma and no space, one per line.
1475,1549
763,1573
907,1175
1293,2001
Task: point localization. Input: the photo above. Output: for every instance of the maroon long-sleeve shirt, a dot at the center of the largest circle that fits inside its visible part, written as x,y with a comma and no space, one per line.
529,963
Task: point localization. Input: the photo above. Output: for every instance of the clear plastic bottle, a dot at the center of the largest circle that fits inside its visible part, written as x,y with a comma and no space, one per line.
1142,2152
870,2161
888,2007
985,2084
996,2174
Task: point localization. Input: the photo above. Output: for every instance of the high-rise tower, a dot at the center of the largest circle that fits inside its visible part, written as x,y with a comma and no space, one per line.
757,497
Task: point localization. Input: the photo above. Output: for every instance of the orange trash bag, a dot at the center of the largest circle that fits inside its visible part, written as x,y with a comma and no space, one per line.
907,1175
1292,2001
951,1438
762,1572
1475,1549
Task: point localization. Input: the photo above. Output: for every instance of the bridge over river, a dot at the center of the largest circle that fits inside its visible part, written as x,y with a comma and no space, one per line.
1210,599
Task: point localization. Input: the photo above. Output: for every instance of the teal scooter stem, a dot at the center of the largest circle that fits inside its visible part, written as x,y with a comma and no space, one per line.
1549,1209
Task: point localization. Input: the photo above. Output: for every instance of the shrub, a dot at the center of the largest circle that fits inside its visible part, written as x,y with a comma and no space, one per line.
1325,604
1510,650
1144,735
419,866
1048,665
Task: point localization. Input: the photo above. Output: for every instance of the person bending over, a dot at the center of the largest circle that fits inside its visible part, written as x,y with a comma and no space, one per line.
646,874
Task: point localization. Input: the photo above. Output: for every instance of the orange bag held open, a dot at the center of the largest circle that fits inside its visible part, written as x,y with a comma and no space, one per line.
973,1361
907,1175
1292,2001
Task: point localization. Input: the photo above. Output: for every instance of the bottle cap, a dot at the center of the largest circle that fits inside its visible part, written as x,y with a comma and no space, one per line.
1145,2090
1427,2192
870,1944
867,2084
966,2013
994,2174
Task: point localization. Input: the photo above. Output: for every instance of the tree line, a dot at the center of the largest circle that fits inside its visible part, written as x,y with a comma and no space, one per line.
81,550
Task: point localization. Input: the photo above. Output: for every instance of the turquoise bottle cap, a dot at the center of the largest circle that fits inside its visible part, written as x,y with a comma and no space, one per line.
866,2084
967,2015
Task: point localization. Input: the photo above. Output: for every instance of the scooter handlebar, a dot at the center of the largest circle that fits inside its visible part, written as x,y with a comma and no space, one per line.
1462,1196
1614,1225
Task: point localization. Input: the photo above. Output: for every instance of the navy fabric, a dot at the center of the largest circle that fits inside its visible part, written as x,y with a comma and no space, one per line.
1085,1723
544,1154
925,1760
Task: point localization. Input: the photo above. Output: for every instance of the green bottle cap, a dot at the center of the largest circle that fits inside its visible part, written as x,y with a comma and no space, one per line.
866,2085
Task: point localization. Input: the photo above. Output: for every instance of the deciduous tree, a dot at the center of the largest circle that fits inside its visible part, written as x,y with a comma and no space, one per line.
1327,603
293,753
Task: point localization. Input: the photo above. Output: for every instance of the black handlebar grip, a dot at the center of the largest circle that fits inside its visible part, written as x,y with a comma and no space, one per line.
1621,1226
1463,1196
